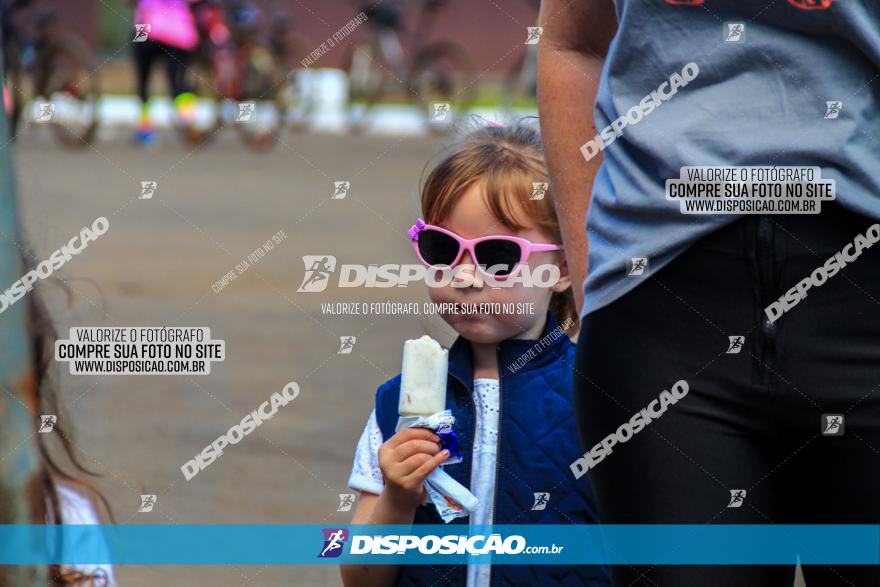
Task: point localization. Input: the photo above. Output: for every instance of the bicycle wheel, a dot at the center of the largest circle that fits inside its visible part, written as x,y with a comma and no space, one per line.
444,82
260,112
366,84
66,77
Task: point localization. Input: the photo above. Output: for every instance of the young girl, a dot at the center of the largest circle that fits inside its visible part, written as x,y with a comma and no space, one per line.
513,408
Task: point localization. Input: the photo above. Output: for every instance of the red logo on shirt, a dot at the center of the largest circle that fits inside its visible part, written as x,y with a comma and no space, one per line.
802,4
811,4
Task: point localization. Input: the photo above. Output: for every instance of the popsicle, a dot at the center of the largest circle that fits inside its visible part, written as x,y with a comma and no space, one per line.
423,377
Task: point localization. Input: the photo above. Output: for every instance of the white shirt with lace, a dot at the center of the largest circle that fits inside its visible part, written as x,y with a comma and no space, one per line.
78,509
366,475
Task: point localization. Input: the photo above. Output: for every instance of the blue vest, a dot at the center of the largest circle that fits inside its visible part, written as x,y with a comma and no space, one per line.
537,442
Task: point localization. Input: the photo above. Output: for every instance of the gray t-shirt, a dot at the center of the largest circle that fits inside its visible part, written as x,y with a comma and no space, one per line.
762,100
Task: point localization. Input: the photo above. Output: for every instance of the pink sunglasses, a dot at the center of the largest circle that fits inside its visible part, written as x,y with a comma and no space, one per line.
496,255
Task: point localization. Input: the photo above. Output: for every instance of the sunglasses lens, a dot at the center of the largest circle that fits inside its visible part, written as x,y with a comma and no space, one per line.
437,248
498,257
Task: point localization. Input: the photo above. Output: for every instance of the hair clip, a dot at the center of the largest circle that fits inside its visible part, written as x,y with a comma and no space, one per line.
496,124
416,228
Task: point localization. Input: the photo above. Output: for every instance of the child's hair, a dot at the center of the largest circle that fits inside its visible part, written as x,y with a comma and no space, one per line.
48,502
509,159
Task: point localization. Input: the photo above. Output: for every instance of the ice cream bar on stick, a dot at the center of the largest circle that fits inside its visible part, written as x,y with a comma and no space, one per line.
423,403
423,377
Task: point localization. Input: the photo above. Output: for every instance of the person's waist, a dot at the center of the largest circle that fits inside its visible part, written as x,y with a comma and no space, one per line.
807,235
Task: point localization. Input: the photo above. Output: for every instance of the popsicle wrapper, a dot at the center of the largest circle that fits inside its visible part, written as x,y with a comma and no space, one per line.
451,498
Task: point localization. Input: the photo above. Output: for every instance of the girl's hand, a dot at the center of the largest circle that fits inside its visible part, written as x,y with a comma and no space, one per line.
406,460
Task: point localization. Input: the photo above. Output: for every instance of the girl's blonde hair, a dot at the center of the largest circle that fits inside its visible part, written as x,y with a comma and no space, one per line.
510,161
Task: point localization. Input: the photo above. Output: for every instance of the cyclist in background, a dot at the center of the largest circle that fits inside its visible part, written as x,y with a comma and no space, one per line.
171,35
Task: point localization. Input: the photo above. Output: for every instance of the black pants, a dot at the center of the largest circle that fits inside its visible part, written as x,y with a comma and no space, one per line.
146,53
752,420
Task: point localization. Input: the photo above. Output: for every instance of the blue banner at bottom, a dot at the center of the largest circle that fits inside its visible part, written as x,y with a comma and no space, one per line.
298,544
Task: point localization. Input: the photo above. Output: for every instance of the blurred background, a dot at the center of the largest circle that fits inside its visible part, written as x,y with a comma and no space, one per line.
268,118
331,66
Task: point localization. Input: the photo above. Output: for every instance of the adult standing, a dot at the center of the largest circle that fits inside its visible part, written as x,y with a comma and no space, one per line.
164,30
672,296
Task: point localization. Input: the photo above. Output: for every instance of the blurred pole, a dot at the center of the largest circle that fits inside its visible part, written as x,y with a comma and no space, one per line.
20,491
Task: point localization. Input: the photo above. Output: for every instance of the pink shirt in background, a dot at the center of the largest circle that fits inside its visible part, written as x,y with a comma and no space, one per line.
171,22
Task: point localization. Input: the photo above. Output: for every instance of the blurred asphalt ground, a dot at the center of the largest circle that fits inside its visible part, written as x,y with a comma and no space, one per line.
156,266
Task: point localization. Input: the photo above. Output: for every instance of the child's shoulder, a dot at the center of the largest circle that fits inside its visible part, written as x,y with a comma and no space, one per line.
557,370
563,353
390,384
76,508
569,349
387,398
